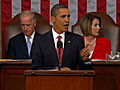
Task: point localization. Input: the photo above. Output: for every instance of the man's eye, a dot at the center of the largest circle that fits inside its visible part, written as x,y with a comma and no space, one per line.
63,16
28,25
22,24
68,15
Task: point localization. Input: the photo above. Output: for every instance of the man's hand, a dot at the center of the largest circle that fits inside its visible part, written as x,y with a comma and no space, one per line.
65,69
85,53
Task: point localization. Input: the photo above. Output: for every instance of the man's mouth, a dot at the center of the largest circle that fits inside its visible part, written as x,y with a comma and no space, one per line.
66,25
26,31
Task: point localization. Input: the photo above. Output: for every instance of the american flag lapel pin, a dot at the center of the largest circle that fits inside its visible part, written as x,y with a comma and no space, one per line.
69,42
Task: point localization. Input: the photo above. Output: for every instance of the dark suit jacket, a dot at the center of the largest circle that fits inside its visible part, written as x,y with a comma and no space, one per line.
17,47
45,56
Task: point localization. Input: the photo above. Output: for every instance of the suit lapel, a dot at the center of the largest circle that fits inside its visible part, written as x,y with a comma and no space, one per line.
22,44
51,47
67,45
36,34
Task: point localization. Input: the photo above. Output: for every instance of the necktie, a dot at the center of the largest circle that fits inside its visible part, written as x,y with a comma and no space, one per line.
60,49
29,45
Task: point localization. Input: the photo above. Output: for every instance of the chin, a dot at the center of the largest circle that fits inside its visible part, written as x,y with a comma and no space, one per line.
65,30
96,35
27,35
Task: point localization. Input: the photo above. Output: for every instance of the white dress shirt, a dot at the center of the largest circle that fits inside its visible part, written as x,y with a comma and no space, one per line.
31,39
55,35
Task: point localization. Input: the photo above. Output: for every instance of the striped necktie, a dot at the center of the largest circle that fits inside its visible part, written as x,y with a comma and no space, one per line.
60,49
29,45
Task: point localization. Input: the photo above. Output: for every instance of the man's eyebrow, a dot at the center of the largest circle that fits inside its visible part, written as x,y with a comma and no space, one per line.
65,15
26,24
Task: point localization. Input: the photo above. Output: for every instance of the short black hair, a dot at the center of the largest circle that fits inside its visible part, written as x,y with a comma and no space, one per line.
55,9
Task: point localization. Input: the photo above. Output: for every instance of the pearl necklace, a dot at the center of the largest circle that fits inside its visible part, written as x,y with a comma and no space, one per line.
91,42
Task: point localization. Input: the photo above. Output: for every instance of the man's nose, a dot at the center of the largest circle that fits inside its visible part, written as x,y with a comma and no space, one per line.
67,19
25,27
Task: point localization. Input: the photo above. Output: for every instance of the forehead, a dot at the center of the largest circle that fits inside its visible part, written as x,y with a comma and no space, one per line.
26,20
95,20
63,11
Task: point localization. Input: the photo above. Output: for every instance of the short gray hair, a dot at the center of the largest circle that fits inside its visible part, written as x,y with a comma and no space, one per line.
27,13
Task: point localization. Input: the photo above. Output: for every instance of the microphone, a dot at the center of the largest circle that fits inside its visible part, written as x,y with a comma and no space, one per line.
59,44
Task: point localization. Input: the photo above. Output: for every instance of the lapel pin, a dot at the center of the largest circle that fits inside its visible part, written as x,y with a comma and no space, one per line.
68,41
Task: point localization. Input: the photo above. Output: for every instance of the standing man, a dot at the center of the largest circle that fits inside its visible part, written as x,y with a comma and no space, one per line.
20,46
59,48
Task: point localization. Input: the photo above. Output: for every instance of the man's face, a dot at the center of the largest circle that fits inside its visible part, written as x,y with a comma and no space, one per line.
61,20
28,25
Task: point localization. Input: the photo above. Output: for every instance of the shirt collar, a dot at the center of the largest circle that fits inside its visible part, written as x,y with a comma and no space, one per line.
55,34
32,36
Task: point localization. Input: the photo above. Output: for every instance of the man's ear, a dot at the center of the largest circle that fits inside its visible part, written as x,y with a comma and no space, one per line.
35,23
53,19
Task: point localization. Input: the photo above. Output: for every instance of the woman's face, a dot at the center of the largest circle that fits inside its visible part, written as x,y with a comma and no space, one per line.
95,28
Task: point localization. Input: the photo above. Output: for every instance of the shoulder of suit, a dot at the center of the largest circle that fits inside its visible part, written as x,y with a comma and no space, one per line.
74,34
17,36
102,39
37,33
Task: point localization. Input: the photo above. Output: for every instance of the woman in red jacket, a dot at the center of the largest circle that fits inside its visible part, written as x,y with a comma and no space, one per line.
98,46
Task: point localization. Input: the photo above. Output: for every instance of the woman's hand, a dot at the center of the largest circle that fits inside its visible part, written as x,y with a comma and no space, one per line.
85,53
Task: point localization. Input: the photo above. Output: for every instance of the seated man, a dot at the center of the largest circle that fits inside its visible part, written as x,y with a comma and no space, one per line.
20,46
59,48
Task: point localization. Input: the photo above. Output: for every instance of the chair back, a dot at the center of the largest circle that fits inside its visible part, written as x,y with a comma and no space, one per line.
14,27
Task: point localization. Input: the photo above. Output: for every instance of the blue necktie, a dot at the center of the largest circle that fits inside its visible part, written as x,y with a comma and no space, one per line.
29,45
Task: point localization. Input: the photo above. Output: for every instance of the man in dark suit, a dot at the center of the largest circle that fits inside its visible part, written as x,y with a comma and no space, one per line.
45,55
17,47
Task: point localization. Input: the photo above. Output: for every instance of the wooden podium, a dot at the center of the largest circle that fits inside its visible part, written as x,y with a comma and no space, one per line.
59,80
12,74
107,75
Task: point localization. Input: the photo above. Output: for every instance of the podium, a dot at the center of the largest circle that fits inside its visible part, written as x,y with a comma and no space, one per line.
107,75
12,74
59,80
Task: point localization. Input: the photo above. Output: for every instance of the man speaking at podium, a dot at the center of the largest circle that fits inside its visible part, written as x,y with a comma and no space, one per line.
60,49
